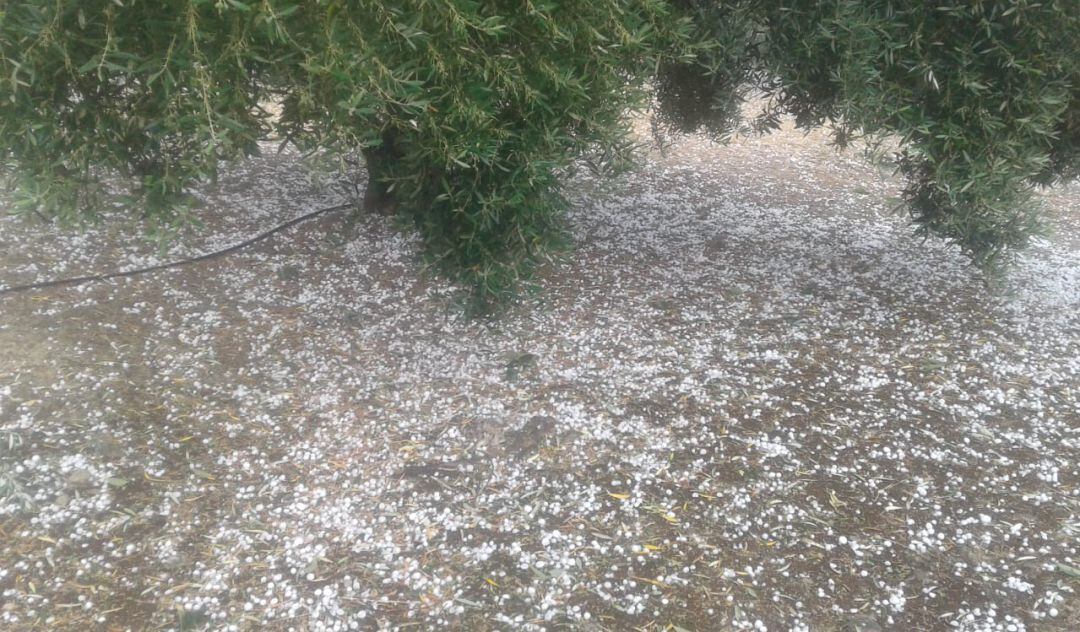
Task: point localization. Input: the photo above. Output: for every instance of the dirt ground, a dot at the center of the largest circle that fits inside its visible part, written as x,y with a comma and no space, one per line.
749,399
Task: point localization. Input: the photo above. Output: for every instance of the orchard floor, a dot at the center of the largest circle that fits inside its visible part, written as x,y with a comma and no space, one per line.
750,399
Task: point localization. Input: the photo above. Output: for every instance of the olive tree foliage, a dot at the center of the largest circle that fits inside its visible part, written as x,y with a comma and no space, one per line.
467,110
982,96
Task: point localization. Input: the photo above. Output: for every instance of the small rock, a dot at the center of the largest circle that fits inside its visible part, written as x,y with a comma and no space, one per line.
353,318
174,561
106,445
289,273
488,435
973,554
62,500
532,435
519,364
80,479
663,303
717,245
862,623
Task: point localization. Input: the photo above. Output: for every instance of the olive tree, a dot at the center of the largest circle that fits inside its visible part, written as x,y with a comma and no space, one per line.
466,110
469,111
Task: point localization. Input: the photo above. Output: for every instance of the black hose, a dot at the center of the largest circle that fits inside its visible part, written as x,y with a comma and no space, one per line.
175,264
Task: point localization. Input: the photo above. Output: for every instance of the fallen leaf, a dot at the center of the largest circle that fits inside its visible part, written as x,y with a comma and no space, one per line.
117,481
649,581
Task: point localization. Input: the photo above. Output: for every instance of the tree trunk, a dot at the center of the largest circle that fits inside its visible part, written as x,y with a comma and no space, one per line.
377,199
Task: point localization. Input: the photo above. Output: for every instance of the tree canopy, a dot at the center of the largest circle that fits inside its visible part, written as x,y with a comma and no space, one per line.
469,111
982,96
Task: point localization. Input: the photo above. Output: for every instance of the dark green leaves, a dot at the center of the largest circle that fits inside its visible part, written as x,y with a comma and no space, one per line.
983,96
468,110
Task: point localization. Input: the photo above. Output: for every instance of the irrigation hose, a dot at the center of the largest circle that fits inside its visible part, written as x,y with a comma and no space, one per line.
174,264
